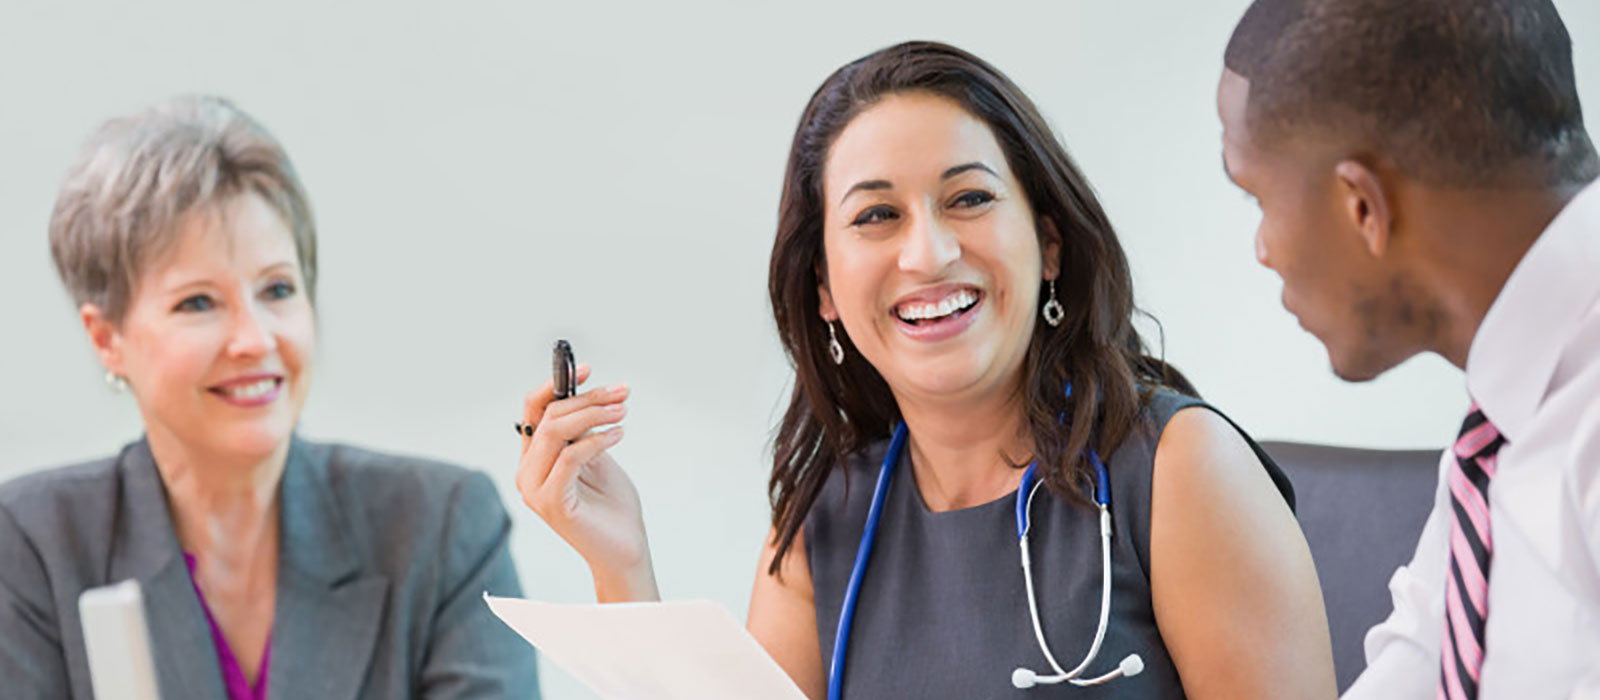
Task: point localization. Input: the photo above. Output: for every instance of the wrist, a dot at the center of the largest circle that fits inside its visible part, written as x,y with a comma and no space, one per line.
634,584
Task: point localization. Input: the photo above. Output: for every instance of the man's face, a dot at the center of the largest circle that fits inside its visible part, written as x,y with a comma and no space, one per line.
1356,301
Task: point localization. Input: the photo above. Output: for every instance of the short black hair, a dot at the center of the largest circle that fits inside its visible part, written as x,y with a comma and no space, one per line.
1455,92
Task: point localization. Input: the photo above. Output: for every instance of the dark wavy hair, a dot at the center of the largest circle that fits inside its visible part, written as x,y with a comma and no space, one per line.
838,410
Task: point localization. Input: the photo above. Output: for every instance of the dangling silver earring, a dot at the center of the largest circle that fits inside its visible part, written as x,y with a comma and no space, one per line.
1053,313
834,348
115,382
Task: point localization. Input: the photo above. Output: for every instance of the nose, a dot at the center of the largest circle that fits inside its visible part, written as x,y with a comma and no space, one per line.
929,246
251,332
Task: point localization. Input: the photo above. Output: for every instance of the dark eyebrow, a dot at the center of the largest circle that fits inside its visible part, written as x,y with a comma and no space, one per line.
968,166
866,185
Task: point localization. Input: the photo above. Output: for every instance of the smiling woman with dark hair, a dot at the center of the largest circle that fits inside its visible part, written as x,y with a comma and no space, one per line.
959,313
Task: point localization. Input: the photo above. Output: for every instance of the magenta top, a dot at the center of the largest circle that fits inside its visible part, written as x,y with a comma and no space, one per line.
232,676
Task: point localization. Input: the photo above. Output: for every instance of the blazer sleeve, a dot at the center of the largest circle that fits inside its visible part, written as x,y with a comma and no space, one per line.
31,662
471,653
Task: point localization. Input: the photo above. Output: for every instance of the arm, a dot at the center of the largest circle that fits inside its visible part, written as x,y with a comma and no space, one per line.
783,616
1403,650
471,654
568,479
1235,592
1585,478
31,660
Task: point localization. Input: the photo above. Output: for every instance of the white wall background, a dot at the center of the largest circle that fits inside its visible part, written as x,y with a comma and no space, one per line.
489,176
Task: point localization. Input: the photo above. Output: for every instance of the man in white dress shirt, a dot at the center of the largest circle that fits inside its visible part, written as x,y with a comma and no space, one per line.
1424,179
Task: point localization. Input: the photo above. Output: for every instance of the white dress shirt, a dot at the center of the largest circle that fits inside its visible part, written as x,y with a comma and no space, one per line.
1534,369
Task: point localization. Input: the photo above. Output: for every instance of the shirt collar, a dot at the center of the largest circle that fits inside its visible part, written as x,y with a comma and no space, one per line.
1541,305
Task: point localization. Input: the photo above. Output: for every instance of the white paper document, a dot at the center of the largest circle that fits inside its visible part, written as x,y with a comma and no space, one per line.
656,651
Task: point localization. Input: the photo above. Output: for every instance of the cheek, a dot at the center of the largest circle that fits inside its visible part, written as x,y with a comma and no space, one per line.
857,272
297,338
170,360
1012,255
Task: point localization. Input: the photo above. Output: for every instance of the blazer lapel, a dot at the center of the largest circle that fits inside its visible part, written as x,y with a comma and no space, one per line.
328,612
145,548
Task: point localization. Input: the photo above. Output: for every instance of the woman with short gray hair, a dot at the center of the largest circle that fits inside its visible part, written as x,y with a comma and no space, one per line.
267,561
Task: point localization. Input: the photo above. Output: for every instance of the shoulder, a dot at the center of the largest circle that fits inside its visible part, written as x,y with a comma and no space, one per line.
840,511
52,496
359,476
850,479
1200,449
402,509
1195,440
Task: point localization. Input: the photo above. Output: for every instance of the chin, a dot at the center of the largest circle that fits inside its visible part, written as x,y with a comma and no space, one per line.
1357,365
949,375
256,439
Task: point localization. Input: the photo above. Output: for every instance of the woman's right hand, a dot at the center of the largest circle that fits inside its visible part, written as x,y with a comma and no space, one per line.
567,477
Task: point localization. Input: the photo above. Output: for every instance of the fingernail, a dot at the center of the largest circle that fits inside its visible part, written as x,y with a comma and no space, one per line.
617,389
616,433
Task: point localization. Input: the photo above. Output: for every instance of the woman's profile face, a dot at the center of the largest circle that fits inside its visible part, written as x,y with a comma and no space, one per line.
218,338
934,259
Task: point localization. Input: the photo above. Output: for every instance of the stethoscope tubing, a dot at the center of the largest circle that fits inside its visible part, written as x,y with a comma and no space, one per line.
1027,488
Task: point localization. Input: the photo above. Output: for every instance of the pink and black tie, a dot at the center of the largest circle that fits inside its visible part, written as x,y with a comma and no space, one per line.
1466,598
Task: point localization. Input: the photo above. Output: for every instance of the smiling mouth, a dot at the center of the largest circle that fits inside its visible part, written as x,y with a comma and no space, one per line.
928,313
256,392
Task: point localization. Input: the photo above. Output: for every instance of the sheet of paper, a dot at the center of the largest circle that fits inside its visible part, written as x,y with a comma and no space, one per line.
689,650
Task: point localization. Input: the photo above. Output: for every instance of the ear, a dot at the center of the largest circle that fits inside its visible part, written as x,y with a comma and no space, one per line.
1050,247
825,307
825,298
103,335
1365,204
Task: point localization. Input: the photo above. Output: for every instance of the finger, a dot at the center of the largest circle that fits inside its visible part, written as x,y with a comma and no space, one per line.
555,434
534,403
574,426
614,394
566,468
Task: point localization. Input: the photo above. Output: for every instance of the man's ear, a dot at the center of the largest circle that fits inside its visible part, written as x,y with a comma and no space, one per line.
1365,204
103,336
1050,247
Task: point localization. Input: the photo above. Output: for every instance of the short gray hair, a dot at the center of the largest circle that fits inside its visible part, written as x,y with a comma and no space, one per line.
139,175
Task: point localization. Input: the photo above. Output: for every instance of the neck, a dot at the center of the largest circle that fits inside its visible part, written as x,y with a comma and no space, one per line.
1482,237
224,508
963,449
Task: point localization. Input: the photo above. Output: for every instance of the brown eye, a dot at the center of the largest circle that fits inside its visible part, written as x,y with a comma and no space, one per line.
973,198
874,215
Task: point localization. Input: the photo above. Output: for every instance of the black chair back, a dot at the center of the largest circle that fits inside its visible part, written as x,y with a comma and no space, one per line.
1362,512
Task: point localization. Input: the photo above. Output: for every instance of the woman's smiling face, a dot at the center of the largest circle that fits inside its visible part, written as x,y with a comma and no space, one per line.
934,258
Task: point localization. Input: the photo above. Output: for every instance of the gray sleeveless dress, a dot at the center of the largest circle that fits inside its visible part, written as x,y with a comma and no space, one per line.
943,611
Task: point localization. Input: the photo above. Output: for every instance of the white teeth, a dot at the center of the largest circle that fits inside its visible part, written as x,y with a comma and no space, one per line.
956,301
253,390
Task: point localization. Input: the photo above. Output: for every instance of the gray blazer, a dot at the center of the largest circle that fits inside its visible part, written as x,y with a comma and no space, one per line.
384,562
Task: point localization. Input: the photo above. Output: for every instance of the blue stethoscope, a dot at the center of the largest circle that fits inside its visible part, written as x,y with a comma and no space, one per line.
1022,677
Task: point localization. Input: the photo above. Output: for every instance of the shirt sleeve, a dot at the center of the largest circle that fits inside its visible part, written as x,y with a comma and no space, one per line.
31,661
1403,650
1585,480
471,653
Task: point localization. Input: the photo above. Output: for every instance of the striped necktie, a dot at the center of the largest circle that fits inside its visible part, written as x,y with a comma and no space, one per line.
1466,599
